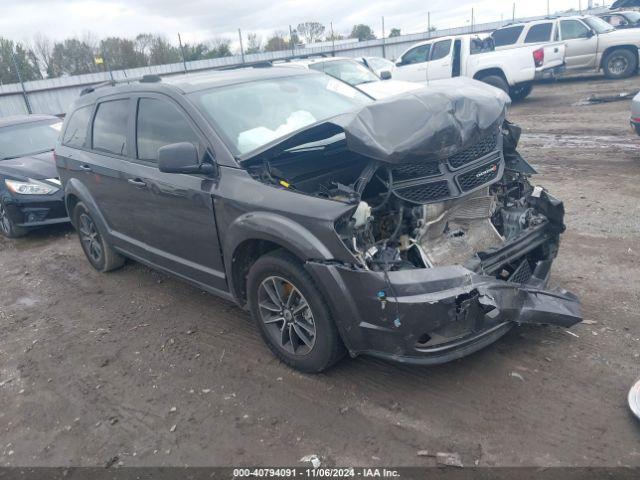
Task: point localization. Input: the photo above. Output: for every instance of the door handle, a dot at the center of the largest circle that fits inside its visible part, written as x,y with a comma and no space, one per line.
137,182
86,168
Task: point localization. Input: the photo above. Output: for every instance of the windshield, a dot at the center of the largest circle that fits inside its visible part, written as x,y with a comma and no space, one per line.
28,138
379,63
598,25
253,114
349,71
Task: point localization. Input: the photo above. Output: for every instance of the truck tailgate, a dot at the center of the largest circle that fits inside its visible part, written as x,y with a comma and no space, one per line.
553,56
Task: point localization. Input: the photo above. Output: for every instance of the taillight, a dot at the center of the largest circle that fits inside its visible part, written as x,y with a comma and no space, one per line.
538,57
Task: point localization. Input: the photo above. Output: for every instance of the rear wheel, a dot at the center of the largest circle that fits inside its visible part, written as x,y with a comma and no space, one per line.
496,81
520,92
7,227
620,63
99,253
292,315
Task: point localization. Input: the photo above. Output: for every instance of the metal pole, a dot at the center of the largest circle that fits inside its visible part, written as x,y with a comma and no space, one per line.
429,24
106,65
333,41
184,62
241,47
548,9
580,6
383,41
514,12
24,90
472,19
291,42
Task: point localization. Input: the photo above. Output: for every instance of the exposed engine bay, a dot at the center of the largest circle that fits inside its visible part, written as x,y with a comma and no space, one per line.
424,214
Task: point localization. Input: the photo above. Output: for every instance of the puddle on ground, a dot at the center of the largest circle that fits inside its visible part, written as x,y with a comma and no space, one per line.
551,140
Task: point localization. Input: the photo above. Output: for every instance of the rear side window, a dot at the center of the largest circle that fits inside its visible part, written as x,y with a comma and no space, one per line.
539,33
573,29
440,49
417,55
160,123
507,36
76,133
110,127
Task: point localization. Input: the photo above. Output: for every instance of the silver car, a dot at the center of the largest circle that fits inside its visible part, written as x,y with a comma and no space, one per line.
635,113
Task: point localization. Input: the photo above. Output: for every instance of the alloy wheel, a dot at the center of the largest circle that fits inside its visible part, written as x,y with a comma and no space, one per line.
5,222
286,315
90,237
618,65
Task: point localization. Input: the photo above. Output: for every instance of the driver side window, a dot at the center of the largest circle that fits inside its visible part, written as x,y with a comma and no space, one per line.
572,29
417,55
159,123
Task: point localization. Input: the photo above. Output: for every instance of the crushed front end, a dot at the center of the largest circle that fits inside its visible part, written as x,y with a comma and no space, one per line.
451,244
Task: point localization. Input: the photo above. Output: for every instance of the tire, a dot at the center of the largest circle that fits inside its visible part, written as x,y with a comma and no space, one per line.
520,92
99,253
496,81
306,340
619,64
7,227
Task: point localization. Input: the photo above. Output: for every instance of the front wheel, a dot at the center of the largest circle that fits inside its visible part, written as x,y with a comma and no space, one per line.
496,81
292,315
7,227
620,64
98,251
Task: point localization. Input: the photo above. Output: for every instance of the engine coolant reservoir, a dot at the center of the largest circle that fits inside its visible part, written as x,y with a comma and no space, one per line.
362,214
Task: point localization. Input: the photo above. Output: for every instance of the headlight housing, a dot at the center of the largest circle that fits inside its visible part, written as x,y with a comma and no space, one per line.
30,187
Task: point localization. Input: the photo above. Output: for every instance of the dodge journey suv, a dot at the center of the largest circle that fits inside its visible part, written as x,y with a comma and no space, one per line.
404,228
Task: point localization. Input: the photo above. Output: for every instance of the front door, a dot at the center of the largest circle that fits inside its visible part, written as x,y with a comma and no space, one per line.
581,44
174,215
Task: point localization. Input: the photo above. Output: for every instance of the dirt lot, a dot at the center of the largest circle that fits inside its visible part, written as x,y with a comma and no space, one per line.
92,365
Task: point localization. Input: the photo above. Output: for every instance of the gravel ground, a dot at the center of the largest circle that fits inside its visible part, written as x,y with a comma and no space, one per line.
137,368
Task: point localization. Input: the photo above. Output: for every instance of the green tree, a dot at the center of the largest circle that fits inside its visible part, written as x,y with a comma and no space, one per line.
72,57
25,60
310,31
162,52
276,43
219,47
195,52
395,32
120,53
362,32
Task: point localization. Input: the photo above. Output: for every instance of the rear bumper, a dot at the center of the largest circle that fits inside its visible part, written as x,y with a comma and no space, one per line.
28,211
550,73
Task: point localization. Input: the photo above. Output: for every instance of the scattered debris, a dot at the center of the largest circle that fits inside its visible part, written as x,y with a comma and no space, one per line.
449,459
173,428
424,453
142,325
589,322
112,461
113,420
595,99
571,333
206,390
315,461
516,375
173,410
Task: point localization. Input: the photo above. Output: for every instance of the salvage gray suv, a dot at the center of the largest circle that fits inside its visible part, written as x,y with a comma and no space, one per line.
404,228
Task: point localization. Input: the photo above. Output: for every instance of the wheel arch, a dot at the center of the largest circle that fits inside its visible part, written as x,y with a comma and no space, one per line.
487,72
76,192
631,48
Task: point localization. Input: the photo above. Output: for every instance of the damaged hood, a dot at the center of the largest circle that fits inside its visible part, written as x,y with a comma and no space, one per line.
428,123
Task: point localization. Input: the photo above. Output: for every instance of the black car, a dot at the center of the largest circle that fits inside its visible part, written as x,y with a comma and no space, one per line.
404,228
30,193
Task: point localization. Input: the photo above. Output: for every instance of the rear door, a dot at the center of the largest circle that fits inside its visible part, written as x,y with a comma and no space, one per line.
440,65
412,67
175,222
581,44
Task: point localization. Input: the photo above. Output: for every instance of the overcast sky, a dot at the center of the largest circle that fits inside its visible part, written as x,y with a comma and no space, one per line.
199,20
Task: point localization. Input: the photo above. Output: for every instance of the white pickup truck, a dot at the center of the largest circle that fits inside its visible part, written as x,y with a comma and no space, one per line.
591,43
474,56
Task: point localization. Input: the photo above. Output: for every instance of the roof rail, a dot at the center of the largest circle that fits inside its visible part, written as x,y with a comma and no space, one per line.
149,78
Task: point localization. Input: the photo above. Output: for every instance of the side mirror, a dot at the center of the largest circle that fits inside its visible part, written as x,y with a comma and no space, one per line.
385,75
590,33
399,63
182,158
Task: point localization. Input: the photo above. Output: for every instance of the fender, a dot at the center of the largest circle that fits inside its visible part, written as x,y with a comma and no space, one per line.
75,187
275,228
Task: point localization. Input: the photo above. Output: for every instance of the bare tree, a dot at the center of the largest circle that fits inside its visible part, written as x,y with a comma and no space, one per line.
311,31
43,50
254,44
